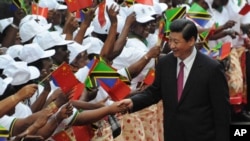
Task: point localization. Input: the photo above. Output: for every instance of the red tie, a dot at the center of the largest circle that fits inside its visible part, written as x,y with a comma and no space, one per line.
180,80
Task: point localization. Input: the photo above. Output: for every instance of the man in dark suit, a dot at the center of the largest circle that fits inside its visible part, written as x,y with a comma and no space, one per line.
201,110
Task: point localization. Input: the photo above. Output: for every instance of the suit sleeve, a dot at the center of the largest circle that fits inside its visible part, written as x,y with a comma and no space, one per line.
219,95
150,95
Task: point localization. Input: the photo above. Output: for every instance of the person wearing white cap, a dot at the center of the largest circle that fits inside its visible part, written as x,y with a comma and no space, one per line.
153,37
57,13
135,49
32,52
100,31
78,57
20,72
29,29
52,5
38,18
10,28
53,40
136,39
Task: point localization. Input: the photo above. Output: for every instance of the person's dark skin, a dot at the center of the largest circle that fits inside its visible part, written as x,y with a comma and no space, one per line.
64,112
61,55
218,3
80,61
122,39
29,133
88,106
111,38
9,103
177,2
70,26
89,15
43,127
135,68
44,65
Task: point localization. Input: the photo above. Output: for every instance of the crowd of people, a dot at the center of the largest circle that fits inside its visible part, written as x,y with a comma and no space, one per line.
194,94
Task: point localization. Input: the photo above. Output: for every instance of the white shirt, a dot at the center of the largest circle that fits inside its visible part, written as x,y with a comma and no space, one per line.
188,65
133,51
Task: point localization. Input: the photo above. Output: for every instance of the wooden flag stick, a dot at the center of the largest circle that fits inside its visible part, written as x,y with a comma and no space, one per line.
45,78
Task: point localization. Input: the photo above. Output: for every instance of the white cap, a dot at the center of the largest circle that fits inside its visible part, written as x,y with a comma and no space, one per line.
142,12
14,51
75,49
96,45
47,40
4,83
150,10
38,18
30,29
5,60
4,23
52,4
160,7
33,52
20,72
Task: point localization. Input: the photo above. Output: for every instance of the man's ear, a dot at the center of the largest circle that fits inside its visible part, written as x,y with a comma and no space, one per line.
191,41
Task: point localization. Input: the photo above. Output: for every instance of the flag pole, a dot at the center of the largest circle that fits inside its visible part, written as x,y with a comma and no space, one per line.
45,78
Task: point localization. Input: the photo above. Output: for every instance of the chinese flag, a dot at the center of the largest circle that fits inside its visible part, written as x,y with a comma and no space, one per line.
64,77
118,91
83,133
146,2
101,13
73,5
36,10
61,136
77,91
245,9
149,79
85,3
225,50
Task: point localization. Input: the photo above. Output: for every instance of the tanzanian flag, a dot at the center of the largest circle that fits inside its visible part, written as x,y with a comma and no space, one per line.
4,134
175,13
199,14
102,74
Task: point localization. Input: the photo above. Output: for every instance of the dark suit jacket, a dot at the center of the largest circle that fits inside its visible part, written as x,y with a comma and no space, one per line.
203,112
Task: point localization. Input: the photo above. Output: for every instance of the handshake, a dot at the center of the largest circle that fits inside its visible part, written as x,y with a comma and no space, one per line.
122,107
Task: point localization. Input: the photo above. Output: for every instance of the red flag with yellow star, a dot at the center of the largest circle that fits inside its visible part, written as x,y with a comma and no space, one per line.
85,3
73,5
61,136
64,78
36,10
83,133
149,79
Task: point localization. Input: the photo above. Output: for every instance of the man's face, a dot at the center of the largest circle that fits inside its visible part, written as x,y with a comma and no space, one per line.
180,47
